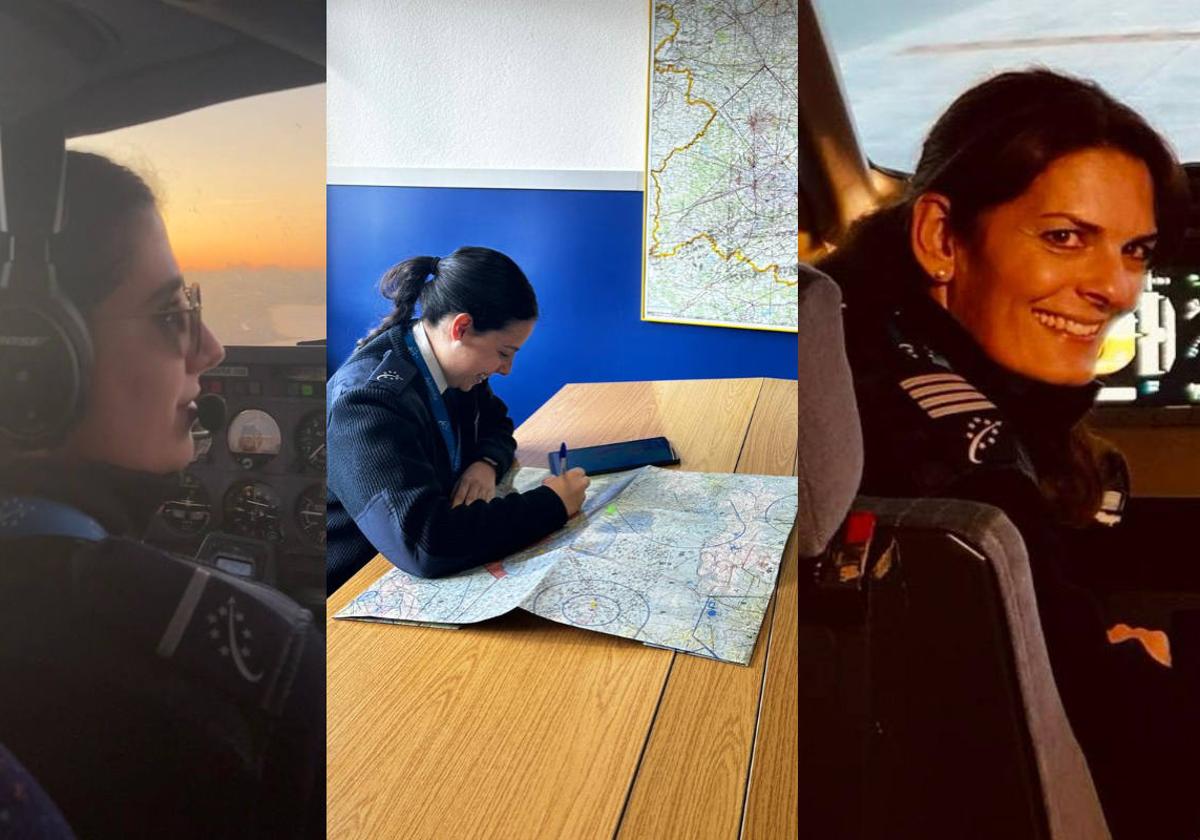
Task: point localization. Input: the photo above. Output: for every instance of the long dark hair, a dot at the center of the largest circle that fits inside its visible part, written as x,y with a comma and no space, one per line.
483,283
96,242
985,150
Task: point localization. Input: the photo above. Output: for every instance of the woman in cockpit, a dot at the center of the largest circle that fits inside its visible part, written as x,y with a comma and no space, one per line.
416,437
115,697
975,310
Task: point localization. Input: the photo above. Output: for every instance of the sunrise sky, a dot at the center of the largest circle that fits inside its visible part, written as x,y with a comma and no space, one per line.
241,184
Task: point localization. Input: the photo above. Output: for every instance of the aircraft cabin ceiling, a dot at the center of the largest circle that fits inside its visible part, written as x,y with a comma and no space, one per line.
98,65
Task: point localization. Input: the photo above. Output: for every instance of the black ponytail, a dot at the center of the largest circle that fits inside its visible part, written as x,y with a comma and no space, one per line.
402,284
484,283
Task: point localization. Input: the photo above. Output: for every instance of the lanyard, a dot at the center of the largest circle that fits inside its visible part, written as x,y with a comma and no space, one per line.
440,414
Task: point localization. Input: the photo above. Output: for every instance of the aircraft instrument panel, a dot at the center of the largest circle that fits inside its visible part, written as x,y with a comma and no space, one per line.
253,500
1150,362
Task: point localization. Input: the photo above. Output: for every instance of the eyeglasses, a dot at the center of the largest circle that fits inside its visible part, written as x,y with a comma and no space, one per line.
179,324
182,323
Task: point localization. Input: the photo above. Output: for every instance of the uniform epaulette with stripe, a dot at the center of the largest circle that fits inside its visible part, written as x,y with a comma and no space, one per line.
970,429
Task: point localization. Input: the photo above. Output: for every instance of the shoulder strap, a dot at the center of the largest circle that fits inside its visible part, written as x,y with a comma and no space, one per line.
953,427
240,637
29,516
393,371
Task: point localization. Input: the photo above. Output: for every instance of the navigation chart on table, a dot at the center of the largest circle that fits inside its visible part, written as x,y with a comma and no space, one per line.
681,560
722,218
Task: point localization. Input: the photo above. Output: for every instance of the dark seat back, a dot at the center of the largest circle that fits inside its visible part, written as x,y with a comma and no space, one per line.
133,708
968,736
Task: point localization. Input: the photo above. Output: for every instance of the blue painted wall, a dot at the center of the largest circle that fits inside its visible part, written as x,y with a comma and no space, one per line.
582,252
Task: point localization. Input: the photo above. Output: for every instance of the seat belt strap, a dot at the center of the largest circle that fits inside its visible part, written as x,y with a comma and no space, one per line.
29,516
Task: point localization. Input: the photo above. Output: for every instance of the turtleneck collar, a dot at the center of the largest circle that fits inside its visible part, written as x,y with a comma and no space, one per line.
122,500
1028,403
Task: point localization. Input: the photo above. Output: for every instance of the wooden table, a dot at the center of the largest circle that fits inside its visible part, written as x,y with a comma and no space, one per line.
523,728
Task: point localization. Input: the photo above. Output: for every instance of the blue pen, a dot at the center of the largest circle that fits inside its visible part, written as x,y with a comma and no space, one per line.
562,458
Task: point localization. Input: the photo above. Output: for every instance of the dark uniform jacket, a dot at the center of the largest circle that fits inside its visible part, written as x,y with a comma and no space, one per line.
940,419
390,478
119,688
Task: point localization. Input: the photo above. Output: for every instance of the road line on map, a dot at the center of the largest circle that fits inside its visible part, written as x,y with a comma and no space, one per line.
736,254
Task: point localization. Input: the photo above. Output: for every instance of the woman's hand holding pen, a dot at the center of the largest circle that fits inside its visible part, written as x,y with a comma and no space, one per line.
570,487
478,481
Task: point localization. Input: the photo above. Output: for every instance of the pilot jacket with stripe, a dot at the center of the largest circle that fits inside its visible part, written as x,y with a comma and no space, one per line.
941,419
391,480
149,695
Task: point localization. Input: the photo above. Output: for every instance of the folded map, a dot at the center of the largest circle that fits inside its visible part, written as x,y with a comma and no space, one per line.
680,560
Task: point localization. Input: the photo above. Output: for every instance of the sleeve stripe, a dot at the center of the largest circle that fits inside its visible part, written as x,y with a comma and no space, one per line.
929,379
948,399
945,388
960,408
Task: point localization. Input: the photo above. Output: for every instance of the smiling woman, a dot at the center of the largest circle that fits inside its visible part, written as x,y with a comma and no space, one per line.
1045,274
142,346
1032,218
150,344
976,306
417,439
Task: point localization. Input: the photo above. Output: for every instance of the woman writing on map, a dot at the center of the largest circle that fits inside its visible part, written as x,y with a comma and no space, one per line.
976,308
115,729
417,439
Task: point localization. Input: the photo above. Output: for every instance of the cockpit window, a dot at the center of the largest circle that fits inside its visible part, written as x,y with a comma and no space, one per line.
902,63
241,186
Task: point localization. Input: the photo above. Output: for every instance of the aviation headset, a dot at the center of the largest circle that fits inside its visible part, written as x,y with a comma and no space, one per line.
45,347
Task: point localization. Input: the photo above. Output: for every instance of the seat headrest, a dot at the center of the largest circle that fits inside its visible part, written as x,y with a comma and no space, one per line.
829,445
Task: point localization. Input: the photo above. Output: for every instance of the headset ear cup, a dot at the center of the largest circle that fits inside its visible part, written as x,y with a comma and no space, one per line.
45,368
80,338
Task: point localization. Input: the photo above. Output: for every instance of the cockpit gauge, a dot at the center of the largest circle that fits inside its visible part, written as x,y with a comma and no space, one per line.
252,509
310,441
254,438
310,514
190,511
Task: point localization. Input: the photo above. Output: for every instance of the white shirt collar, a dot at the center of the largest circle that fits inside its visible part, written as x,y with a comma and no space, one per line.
439,378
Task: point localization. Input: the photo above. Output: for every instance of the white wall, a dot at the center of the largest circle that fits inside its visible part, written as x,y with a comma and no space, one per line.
488,92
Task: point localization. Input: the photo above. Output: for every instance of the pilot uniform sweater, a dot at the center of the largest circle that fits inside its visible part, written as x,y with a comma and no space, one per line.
941,419
390,476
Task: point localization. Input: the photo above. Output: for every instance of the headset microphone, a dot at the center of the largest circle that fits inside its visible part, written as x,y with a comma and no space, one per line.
210,412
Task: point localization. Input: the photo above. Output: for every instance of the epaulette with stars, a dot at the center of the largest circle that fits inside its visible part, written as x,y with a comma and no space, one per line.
394,371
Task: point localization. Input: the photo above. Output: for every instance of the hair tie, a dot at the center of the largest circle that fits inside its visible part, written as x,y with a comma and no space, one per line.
433,268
